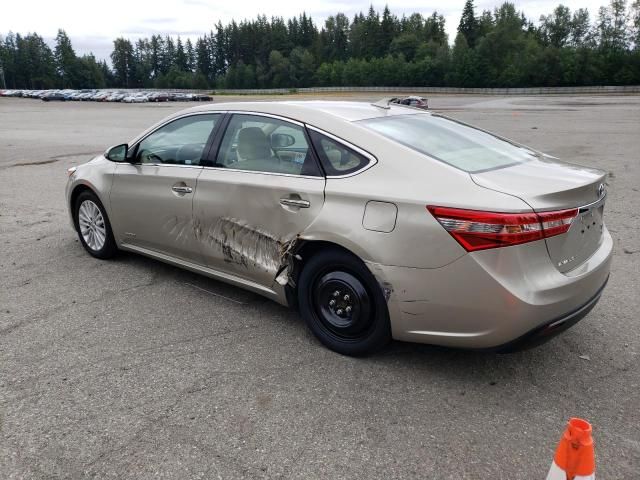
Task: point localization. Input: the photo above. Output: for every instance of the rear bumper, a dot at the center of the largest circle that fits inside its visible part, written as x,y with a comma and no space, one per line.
503,299
544,333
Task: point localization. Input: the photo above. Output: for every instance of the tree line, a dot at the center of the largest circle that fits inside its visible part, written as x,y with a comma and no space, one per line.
499,48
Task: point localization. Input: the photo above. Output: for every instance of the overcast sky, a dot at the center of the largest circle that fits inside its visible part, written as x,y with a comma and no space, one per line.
92,26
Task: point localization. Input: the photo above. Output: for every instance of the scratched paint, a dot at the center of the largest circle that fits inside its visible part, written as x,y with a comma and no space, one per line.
180,229
387,288
248,245
238,242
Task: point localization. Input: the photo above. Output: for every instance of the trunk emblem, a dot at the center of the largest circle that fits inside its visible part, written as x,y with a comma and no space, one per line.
601,190
566,260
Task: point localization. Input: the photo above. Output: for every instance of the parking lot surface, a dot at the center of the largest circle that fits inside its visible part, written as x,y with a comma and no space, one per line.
134,369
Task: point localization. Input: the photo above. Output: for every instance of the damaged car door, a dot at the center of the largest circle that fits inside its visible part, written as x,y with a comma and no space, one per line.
263,188
152,192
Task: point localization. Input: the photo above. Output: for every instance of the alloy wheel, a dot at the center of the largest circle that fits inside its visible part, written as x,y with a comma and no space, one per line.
92,225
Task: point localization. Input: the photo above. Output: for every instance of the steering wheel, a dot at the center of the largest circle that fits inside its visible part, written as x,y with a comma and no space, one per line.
150,156
187,152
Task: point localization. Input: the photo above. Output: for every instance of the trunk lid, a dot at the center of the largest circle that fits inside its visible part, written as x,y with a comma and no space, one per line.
547,184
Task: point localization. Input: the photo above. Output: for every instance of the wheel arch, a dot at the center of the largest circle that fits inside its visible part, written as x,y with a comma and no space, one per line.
75,193
377,328
305,248
77,190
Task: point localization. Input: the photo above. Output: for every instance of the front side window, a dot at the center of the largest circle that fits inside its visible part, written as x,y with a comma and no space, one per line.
263,144
336,158
180,142
458,145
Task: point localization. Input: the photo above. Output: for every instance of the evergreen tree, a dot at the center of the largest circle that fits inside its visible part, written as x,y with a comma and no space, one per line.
468,26
155,55
66,60
220,49
168,55
388,30
180,60
203,58
90,74
190,56
122,60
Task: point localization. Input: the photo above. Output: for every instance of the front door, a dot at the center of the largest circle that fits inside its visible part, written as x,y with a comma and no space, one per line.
152,195
264,188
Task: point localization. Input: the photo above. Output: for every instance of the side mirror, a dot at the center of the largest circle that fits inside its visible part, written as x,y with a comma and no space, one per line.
117,153
282,140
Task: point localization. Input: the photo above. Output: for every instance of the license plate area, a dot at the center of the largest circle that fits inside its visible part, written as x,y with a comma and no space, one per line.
570,250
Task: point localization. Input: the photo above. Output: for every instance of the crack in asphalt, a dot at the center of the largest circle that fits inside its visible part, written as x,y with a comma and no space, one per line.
181,396
84,367
44,315
55,158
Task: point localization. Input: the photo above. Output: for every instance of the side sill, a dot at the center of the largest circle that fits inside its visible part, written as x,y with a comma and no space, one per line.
208,272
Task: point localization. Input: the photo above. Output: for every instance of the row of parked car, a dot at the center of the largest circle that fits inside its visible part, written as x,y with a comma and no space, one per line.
106,96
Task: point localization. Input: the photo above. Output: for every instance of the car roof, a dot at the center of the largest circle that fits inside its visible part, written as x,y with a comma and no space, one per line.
311,110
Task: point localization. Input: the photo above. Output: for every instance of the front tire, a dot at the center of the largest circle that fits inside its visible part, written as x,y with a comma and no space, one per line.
343,304
93,227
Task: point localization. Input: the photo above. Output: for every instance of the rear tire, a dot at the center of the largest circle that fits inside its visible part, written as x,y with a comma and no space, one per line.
93,227
343,304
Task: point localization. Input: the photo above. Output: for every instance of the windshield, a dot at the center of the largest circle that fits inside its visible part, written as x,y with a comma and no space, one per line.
450,142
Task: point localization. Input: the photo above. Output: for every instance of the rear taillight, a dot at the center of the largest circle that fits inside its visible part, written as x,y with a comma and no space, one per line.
555,223
476,230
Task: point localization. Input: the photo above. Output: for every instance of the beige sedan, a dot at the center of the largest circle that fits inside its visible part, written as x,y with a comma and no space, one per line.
375,221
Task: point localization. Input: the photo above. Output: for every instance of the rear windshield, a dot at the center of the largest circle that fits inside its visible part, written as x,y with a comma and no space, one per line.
450,142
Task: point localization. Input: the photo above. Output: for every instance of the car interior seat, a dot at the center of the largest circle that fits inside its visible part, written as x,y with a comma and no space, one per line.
254,149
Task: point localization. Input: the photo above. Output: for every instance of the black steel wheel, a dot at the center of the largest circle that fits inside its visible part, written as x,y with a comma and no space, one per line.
342,303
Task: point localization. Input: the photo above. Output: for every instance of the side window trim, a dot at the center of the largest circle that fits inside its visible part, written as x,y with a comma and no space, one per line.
372,159
267,115
222,127
209,159
133,151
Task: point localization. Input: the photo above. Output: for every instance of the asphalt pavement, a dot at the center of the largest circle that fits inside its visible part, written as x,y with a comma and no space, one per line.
135,369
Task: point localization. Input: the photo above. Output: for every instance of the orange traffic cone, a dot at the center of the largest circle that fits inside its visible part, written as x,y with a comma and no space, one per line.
574,459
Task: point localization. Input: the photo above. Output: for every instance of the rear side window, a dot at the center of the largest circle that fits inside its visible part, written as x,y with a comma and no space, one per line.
253,143
458,145
336,158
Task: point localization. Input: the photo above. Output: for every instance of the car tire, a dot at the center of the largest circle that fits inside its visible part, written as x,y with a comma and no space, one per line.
343,304
93,226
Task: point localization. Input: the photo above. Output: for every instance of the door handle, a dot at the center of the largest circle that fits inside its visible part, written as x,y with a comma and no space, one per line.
295,202
182,189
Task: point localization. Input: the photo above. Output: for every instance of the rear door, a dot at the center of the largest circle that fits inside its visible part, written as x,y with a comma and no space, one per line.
152,194
263,188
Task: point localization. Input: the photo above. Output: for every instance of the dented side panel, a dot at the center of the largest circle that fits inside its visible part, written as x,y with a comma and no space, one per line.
250,247
243,229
